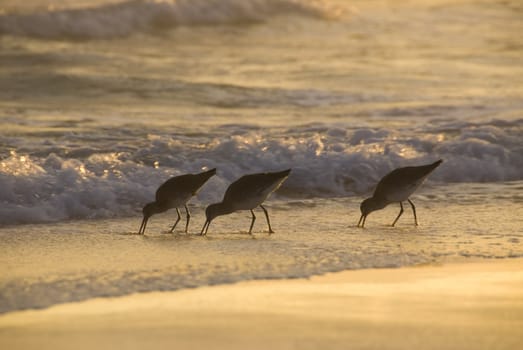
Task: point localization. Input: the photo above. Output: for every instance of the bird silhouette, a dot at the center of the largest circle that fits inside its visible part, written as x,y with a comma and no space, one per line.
246,193
175,193
396,187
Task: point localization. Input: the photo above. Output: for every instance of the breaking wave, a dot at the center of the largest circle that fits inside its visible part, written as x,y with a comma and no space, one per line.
70,180
126,18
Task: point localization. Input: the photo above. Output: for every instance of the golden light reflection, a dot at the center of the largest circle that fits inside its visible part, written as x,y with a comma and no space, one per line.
20,165
82,170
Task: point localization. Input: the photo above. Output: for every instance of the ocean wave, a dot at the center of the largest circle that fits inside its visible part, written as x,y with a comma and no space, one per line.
73,179
126,18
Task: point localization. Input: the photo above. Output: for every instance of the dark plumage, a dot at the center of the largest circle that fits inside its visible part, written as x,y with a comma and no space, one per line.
175,193
246,193
396,186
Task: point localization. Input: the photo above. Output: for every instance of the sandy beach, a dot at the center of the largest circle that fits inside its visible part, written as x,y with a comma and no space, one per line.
466,305
103,101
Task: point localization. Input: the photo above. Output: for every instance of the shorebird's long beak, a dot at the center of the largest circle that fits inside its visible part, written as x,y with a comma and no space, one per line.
362,220
142,226
205,228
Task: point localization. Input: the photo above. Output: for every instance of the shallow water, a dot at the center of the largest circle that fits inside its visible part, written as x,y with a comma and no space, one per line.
101,101
42,265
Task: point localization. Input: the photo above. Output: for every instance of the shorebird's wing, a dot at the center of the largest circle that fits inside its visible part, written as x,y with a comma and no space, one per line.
254,185
183,185
244,185
411,176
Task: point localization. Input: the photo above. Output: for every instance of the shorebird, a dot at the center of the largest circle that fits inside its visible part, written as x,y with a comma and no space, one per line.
175,193
396,186
246,193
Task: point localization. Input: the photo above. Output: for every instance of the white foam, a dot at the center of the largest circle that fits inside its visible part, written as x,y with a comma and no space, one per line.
125,18
327,161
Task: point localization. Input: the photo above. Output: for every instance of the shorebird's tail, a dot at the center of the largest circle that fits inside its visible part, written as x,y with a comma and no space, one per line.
209,173
283,173
274,180
425,170
277,178
196,181
436,163
206,175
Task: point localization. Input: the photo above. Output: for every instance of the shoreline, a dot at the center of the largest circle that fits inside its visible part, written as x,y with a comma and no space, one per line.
461,305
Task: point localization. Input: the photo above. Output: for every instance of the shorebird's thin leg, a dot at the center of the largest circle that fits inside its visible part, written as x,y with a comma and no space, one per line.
401,212
252,222
205,228
188,218
176,222
361,219
414,211
142,226
267,216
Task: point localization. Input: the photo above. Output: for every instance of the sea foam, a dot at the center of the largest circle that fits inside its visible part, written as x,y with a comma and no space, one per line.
64,181
125,18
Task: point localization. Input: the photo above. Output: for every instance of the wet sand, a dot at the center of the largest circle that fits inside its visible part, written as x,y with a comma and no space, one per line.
466,305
